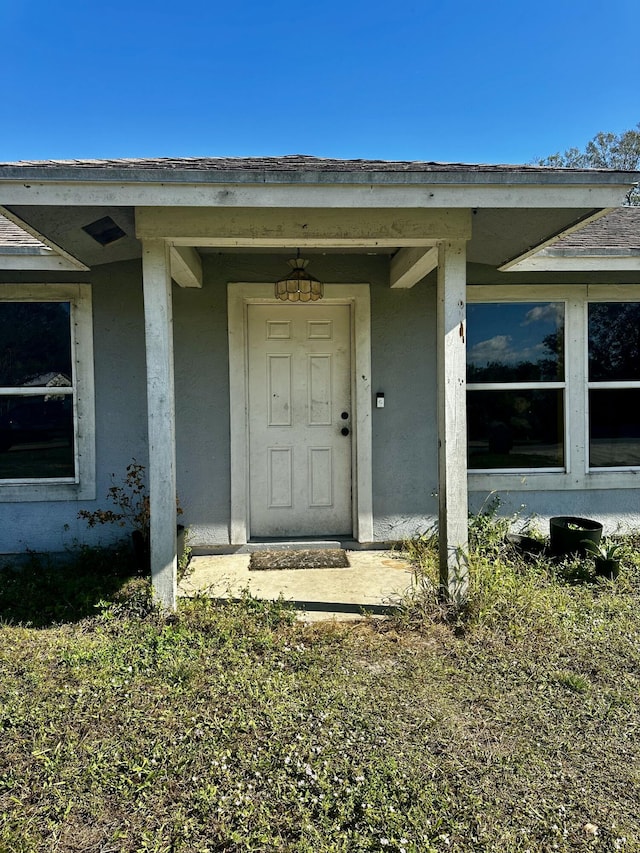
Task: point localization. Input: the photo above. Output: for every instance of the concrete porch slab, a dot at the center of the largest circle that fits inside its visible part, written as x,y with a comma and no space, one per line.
374,581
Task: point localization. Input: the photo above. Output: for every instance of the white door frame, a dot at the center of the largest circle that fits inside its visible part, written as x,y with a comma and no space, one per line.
357,296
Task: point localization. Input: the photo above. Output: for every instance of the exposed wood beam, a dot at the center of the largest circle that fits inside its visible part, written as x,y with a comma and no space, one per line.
283,227
409,266
186,266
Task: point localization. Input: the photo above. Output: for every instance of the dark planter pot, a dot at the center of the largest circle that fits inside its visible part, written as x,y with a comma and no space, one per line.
142,548
567,534
607,568
526,544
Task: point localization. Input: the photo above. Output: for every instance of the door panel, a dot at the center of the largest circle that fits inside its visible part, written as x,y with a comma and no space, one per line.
299,388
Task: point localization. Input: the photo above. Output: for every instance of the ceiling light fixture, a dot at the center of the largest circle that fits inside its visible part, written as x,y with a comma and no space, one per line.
299,285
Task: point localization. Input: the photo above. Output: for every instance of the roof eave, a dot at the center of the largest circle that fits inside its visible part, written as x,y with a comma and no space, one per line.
474,176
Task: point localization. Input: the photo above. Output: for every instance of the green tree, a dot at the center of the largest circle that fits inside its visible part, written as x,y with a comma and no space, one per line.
604,151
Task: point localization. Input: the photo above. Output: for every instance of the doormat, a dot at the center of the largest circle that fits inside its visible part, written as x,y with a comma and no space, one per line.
319,558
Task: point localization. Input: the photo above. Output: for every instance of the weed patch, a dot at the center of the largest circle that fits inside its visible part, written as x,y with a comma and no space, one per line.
511,727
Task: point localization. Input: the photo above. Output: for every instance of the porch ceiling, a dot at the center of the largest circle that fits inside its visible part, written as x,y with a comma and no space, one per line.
498,234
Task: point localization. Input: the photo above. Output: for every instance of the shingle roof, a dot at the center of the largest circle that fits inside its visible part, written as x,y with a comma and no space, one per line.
290,162
619,229
287,163
13,237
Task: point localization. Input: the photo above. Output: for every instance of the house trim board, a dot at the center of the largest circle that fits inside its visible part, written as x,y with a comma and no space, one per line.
596,191
579,263
357,296
319,227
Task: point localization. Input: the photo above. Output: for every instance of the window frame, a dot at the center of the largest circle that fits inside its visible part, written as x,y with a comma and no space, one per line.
531,385
576,474
82,486
609,384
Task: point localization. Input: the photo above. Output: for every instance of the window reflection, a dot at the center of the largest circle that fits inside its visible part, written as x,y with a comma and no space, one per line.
515,429
37,434
36,437
515,342
614,341
614,428
35,344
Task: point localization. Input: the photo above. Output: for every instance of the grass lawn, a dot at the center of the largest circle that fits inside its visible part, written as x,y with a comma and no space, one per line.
514,726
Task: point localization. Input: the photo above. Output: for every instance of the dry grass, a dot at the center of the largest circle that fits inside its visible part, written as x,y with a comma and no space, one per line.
513,726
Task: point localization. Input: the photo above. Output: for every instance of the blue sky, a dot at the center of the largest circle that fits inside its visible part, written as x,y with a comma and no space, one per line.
496,82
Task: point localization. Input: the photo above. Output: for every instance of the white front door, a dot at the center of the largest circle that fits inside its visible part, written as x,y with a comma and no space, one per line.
300,420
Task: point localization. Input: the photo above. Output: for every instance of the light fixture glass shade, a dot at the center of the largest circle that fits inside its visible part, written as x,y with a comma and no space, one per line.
299,285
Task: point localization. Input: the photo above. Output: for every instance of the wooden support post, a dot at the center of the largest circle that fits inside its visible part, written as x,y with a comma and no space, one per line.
158,319
452,421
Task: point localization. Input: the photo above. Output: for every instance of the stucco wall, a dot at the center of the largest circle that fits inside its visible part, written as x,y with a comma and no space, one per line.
405,474
404,432
404,444
120,396
618,510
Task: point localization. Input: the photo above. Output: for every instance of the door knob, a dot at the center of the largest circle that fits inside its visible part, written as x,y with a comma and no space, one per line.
345,430
344,416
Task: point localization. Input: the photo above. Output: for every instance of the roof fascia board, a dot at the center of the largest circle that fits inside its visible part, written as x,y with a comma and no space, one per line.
513,195
36,261
554,263
74,263
471,175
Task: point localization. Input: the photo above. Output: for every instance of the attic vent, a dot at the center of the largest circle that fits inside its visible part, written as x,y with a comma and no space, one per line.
104,231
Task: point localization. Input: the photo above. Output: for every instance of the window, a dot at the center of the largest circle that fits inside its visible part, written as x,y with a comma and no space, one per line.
614,384
553,387
46,392
516,381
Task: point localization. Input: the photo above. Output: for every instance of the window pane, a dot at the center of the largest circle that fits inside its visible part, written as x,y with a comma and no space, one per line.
36,437
35,344
515,342
614,427
614,341
515,429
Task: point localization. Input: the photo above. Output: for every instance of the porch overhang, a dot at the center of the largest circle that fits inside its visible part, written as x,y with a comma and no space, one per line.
425,215
515,208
